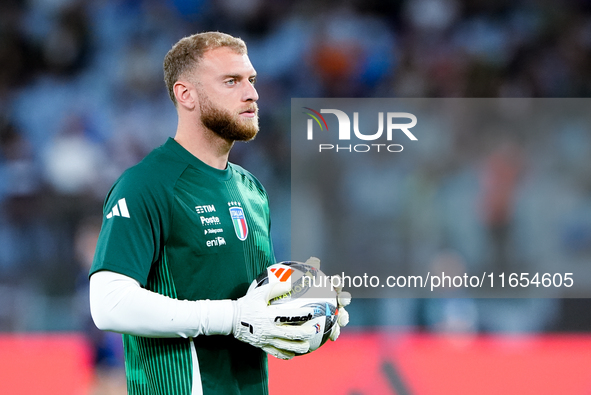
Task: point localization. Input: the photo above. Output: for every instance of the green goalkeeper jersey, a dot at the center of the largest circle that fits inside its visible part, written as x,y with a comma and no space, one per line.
188,231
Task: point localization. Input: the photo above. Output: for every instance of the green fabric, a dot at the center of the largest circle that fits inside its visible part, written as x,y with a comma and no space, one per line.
180,240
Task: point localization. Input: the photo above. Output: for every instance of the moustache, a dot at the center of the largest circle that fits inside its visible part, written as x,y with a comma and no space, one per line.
252,108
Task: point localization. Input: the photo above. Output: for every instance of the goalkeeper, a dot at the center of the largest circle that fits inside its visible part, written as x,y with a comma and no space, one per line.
184,234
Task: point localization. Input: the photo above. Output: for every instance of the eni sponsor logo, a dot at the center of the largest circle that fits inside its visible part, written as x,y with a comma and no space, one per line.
218,241
396,123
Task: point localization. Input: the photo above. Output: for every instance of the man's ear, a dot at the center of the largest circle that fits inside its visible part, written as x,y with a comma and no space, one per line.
185,94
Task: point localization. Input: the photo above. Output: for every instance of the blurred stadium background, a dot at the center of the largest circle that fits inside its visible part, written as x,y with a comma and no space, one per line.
82,98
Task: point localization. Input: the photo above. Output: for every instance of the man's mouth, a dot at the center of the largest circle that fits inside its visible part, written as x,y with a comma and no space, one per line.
250,112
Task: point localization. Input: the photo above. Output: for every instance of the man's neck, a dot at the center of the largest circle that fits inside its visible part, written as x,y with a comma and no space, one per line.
205,145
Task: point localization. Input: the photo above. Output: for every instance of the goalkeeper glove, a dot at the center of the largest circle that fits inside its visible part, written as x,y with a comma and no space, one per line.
254,323
343,299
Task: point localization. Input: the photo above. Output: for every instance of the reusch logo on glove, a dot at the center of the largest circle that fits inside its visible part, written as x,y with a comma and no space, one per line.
297,318
282,273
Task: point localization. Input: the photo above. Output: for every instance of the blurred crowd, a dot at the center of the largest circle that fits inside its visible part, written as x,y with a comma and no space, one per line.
491,186
82,98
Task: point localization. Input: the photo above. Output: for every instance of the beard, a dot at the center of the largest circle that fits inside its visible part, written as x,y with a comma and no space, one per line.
227,125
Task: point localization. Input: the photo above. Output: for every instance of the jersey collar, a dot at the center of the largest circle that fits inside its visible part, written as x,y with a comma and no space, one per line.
221,175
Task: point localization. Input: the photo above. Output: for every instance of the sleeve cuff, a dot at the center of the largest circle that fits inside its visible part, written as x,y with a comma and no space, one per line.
220,317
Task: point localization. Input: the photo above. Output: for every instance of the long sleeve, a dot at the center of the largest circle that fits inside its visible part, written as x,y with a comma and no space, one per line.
118,303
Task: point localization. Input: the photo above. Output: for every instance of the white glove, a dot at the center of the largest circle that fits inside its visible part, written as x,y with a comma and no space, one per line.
254,323
343,299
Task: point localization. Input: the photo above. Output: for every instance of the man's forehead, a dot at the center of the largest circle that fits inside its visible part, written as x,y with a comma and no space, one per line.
224,59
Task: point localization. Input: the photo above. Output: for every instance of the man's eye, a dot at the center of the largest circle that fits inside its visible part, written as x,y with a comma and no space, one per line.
253,80
231,82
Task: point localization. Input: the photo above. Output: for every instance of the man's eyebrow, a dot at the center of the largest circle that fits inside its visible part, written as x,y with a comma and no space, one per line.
239,76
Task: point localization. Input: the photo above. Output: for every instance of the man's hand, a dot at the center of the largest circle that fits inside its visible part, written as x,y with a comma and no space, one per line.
343,299
254,324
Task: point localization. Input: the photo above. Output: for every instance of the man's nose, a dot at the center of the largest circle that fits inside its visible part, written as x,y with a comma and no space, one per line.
250,93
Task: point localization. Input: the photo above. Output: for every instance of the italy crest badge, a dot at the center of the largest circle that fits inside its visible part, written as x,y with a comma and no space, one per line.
239,222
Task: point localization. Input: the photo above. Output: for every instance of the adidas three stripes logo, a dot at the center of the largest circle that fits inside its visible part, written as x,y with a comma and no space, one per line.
282,273
119,210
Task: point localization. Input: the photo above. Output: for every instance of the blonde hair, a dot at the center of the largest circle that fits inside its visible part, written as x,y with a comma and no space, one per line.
188,51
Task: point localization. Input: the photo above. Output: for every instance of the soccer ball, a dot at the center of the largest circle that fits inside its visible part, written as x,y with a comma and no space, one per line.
310,287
